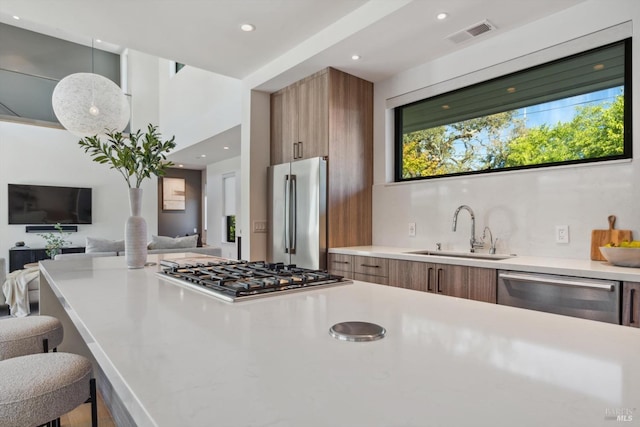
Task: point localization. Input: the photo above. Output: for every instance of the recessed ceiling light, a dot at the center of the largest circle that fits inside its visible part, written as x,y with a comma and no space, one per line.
441,16
355,57
98,41
226,148
16,17
247,27
180,165
445,107
598,67
511,89
202,156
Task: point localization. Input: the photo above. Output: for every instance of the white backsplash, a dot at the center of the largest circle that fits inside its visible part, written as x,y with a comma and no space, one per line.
522,209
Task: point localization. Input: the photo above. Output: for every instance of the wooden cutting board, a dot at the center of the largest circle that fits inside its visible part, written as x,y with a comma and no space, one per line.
603,237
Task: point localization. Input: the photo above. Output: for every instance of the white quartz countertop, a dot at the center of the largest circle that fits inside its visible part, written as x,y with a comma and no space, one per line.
189,359
563,266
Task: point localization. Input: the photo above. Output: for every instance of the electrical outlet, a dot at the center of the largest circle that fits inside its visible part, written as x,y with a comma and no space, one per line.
562,234
412,229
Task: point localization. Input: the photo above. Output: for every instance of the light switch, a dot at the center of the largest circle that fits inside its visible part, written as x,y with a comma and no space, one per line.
259,226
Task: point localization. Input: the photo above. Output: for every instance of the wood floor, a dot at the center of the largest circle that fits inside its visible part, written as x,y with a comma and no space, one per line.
81,416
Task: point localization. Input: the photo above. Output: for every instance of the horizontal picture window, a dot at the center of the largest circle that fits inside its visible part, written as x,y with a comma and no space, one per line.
572,110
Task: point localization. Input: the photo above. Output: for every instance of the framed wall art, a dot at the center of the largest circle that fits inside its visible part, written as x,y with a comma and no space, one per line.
173,194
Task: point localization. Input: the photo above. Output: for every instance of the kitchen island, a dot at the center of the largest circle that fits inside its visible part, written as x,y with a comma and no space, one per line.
176,357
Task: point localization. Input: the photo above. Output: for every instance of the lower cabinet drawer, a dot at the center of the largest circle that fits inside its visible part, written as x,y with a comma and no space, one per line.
341,265
381,280
371,266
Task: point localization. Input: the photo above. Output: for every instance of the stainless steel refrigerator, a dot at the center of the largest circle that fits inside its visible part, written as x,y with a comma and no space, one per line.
297,213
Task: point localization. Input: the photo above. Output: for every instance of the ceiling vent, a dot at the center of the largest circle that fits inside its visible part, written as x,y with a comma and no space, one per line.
471,32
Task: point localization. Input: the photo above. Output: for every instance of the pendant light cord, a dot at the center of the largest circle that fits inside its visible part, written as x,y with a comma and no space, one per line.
92,66
93,109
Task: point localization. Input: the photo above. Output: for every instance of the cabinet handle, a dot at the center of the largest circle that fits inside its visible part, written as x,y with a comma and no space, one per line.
300,149
368,265
295,150
438,281
429,281
341,262
631,298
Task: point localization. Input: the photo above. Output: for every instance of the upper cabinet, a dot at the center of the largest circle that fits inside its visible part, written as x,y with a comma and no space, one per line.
300,119
330,114
313,117
284,124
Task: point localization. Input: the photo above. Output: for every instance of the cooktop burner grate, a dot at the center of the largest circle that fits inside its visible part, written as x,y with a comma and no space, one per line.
236,280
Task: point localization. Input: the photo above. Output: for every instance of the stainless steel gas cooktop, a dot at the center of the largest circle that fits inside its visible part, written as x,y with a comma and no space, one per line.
241,280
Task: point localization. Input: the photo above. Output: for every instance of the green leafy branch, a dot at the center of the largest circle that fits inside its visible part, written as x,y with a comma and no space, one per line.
135,157
55,241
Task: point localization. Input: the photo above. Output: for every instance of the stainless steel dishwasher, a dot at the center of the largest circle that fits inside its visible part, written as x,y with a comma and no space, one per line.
572,296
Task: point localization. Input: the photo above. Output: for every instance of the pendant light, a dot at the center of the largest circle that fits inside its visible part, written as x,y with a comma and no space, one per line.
88,104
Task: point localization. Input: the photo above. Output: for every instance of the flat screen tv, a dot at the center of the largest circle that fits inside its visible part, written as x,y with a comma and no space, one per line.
45,204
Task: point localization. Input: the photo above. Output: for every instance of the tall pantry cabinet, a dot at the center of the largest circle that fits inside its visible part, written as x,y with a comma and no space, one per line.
330,114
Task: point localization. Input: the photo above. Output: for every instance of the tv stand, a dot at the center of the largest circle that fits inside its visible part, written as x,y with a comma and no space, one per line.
20,256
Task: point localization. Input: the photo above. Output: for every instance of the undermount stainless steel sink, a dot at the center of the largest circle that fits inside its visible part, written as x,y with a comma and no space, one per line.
469,255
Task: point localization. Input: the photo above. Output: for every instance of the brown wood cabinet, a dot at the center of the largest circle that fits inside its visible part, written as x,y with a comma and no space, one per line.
371,269
330,114
284,124
445,279
299,120
367,269
483,284
341,265
408,274
631,304
450,280
313,117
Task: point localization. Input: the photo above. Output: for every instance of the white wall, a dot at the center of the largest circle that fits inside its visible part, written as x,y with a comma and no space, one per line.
142,82
195,104
215,173
46,156
521,207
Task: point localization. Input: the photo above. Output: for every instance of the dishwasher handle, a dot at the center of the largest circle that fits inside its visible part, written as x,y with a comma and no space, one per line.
533,278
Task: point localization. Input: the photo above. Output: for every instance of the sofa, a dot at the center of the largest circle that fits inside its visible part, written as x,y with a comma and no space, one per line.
97,247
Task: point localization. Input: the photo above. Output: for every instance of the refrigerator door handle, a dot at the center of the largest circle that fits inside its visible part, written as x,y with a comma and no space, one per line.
293,201
287,209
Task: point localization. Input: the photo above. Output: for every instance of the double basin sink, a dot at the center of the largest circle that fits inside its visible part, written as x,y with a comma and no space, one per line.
467,255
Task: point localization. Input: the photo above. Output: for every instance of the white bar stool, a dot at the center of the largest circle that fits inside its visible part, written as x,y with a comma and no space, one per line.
29,335
39,388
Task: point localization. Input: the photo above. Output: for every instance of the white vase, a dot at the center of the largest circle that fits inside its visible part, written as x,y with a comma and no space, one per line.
135,235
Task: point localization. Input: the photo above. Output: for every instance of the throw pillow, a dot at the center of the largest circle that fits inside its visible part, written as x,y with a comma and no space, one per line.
95,244
165,242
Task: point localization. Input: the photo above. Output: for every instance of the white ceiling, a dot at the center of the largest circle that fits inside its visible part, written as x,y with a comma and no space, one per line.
293,38
211,150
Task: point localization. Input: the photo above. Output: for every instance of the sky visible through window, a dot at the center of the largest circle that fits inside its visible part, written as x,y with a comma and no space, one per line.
564,110
549,113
